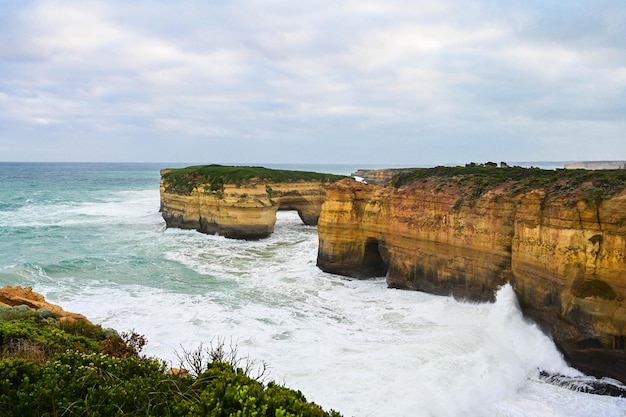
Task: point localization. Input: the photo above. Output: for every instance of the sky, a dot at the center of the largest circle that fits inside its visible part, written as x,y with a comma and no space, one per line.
385,82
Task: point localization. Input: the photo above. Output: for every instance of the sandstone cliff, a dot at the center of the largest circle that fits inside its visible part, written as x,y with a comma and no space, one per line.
559,239
239,202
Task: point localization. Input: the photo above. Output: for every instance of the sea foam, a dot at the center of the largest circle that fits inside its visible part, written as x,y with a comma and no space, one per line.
355,346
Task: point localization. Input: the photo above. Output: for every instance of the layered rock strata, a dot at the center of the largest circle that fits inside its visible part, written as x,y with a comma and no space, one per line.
240,209
561,246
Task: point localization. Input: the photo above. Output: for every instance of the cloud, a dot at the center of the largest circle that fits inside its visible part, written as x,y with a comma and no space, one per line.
406,82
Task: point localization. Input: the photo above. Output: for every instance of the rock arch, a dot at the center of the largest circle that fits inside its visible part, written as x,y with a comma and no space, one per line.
242,210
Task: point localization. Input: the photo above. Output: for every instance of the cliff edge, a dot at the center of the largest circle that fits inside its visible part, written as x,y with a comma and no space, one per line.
558,237
239,202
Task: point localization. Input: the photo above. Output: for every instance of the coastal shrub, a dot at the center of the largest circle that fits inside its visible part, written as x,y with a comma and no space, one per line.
82,328
197,361
124,345
33,351
84,373
16,375
75,383
11,313
31,336
44,313
226,391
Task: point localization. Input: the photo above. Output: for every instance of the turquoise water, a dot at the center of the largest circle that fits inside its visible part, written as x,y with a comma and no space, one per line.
90,238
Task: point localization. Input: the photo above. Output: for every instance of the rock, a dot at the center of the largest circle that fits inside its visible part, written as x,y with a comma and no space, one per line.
242,209
562,247
179,372
590,385
16,296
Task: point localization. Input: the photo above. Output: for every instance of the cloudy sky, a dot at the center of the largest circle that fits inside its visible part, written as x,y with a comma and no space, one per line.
281,81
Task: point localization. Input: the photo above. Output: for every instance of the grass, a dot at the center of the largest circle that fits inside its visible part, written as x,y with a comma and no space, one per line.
184,180
594,186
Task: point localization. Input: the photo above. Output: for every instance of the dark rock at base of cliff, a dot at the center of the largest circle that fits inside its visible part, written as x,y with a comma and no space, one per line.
583,352
368,267
244,232
586,384
598,362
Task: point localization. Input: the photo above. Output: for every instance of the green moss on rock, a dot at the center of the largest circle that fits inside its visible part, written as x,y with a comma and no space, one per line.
184,180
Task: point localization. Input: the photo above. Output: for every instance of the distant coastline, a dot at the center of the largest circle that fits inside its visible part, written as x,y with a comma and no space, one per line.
331,168
597,165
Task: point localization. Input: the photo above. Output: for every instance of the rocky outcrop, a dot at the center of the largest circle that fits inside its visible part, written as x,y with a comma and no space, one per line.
561,244
243,208
17,296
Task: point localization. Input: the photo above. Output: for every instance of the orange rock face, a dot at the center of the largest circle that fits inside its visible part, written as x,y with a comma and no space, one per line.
242,211
564,255
15,296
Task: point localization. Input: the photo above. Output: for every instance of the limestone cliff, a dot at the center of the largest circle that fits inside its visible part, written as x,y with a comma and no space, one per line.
239,202
559,239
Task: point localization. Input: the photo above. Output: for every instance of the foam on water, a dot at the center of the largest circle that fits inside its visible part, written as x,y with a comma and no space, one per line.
375,354
123,207
355,346
351,345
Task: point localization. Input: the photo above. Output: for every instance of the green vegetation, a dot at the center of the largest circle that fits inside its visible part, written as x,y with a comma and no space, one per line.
48,368
593,186
184,180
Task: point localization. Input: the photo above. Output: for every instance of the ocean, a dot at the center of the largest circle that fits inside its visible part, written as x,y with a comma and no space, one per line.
90,238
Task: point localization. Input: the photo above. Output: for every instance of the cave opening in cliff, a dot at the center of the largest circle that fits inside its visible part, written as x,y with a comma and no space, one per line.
373,263
308,217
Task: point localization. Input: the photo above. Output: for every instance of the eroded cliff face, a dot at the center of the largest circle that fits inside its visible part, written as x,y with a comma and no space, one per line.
242,211
563,252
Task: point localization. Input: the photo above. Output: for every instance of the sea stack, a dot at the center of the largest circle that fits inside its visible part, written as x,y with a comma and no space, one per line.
237,201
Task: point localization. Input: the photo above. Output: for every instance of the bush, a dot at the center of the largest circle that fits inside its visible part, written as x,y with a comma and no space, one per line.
75,383
15,377
17,312
49,336
83,373
125,345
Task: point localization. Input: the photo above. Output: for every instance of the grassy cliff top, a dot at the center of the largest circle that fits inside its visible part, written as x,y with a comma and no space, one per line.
185,179
599,184
532,176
